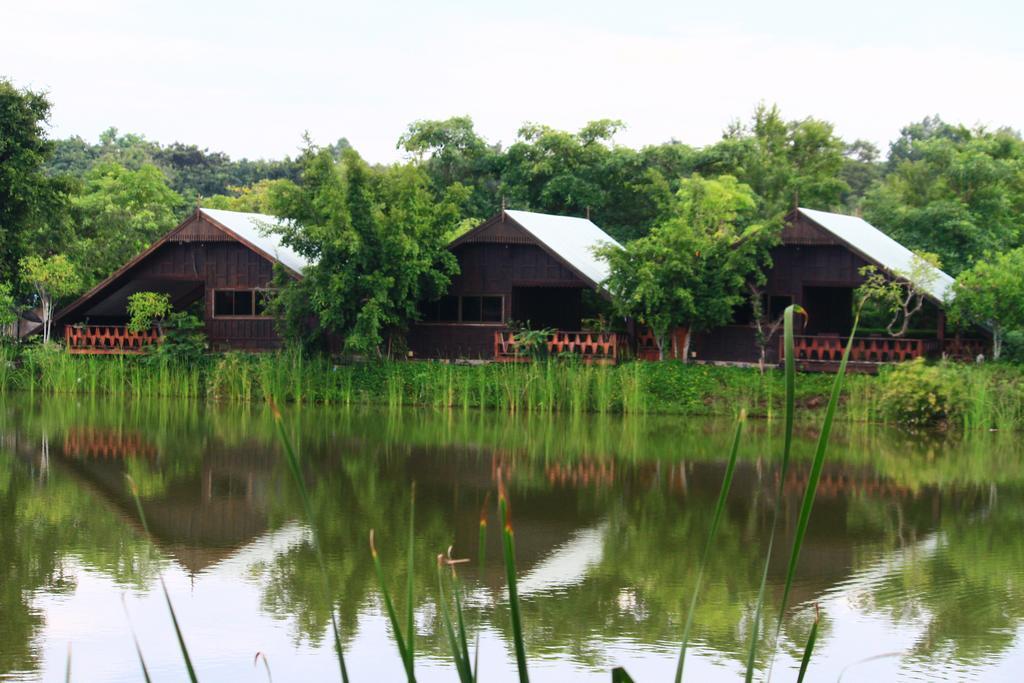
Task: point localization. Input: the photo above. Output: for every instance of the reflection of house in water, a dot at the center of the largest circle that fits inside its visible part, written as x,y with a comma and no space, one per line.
199,516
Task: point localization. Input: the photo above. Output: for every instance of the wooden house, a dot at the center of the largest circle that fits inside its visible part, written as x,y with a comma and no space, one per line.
818,266
522,268
219,262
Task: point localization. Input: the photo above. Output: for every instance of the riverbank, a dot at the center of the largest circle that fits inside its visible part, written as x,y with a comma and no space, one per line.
936,396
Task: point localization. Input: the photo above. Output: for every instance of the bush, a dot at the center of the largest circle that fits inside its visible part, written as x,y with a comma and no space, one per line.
917,394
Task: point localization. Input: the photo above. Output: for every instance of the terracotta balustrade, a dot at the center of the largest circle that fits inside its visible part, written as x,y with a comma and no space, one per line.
829,349
113,339
594,347
966,349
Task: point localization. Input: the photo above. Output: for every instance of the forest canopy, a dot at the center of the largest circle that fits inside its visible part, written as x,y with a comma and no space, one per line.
940,187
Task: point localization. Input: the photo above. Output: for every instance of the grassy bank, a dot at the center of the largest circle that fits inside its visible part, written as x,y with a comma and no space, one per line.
968,397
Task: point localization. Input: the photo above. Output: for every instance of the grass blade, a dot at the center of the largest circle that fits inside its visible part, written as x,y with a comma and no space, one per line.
135,638
810,646
410,626
389,605
790,412
458,653
509,553
482,555
167,596
266,665
300,484
619,675
719,509
812,479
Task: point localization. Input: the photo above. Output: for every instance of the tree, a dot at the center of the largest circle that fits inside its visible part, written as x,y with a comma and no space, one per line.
30,202
8,311
52,278
120,213
783,162
901,294
991,293
376,240
147,308
691,270
256,198
951,191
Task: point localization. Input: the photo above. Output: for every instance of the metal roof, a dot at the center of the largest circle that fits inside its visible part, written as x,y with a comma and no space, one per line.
573,239
874,245
255,228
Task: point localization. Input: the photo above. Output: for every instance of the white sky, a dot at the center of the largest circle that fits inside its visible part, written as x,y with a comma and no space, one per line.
249,77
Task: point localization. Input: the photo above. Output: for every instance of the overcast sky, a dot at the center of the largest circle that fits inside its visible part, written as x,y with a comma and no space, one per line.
249,77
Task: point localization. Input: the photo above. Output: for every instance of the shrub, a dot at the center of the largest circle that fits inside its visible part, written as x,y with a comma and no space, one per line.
917,394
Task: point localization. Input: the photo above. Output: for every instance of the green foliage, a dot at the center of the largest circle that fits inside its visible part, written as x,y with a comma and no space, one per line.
691,270
147,308
951,190
31,204
183,343
8,311
991,293
191,171
377,240
900,294
917,394
52,278
260,197
120,213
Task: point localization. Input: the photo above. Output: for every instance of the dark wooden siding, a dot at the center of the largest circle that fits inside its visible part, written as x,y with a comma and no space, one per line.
494,263
794,267
200,252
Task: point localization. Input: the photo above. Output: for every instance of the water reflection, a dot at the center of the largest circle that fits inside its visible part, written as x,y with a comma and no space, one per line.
915,542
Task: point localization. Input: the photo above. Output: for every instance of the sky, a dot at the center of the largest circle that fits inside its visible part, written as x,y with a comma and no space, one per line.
248,78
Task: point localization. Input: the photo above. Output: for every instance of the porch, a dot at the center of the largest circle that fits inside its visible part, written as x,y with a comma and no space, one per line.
591,347
823,352
108,339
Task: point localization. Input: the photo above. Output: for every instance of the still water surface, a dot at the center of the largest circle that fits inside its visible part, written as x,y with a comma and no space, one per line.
915,554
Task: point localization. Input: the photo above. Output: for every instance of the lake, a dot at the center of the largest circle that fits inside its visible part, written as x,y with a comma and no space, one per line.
914,556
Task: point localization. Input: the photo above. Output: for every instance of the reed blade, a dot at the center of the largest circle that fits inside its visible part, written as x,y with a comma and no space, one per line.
133,487
461,661
509,553
812,480
810,646
135,639
619,675
300,484
410,625
716,518
789,414
389,606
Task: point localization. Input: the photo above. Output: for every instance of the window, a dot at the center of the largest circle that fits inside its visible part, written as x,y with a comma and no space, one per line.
777,306
229,303
467,309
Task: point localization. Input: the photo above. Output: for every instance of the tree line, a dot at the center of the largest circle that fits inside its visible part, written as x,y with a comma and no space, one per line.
72,211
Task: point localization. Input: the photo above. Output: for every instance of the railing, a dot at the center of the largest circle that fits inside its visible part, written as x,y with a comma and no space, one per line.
829,349
96,339
965,349
594,347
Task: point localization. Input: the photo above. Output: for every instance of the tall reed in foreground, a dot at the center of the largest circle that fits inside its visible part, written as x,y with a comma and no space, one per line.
167,597
300,484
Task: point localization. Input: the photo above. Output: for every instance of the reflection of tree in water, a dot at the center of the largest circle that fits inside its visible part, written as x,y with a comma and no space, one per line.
617,509
47,523
965,583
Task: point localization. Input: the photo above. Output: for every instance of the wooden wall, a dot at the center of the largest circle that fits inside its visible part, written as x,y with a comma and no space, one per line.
200,253
494,264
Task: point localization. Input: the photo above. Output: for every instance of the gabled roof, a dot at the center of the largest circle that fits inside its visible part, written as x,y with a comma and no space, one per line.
875,246
250,229
569,240
253,229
